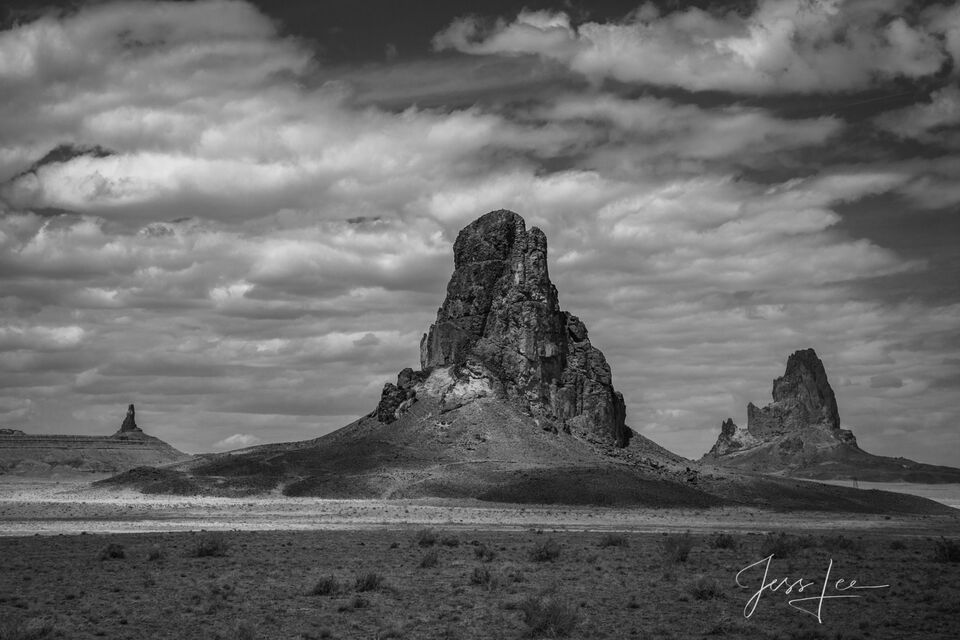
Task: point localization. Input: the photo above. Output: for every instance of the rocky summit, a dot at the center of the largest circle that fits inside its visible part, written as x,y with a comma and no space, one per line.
42,454
501,318
799,434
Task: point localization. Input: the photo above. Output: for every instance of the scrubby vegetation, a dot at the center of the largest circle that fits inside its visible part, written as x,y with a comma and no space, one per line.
677,547
549,616
724,541
327,586
496,584
780,545
947,550
614,540
429,559
113,551
209,545
426,537
370,581
546,551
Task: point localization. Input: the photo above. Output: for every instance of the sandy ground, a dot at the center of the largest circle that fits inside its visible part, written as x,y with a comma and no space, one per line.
948,494
72,507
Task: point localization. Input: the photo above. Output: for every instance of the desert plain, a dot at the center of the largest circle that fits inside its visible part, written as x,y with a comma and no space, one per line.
79,562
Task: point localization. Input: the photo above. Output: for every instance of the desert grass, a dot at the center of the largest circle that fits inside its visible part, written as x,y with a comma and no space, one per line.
30,629
353,585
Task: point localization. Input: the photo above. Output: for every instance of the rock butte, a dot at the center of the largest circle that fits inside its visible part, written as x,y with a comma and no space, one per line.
37,454
799,434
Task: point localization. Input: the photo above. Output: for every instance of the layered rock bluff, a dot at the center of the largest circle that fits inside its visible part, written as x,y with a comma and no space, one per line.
799,434
39,455
501,312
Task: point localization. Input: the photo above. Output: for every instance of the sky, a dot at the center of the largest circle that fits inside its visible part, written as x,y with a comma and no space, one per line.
240,215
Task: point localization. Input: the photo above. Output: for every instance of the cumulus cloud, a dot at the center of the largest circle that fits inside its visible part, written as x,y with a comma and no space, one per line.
237,441
933,121
781,46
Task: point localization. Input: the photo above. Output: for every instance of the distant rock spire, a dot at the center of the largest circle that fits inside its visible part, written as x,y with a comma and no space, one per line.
130,422
802,397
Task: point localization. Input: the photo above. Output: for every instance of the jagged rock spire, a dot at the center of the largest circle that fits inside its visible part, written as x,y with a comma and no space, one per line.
130,421
802,397
502,310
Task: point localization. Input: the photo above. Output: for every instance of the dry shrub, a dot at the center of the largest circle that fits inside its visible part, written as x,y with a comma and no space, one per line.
370,581
484,553
839,543
704,588
426,537
429,559
724,541
546,551
549,616
210,545
947,550
113,551
480,576
327,586
780,545
677,547
614,540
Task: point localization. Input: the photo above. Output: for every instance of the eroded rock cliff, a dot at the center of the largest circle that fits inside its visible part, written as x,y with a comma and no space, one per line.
501,314
799,434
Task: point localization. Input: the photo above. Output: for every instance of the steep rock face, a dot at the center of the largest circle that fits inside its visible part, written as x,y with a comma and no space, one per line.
732,438
803,415
501,313
802,396
397,398
130,422
799,434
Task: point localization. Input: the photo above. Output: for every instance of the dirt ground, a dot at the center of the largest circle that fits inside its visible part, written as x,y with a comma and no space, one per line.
305,568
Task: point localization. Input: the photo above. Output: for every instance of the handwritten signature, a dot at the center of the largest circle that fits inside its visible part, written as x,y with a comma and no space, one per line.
798,585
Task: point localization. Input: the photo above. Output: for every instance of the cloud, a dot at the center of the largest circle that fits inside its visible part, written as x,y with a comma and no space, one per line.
934,121
781,46
237,441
